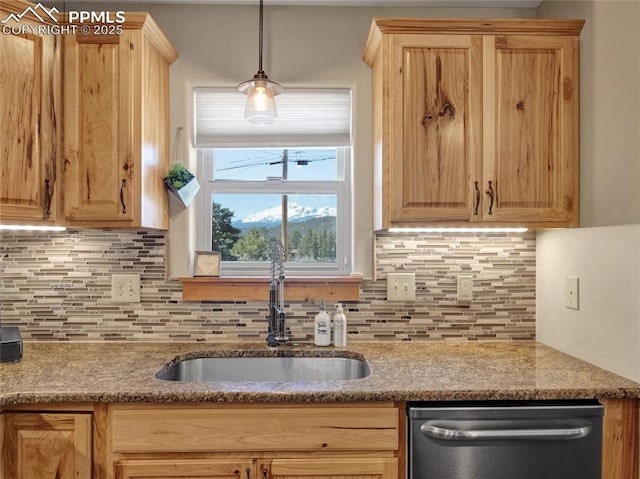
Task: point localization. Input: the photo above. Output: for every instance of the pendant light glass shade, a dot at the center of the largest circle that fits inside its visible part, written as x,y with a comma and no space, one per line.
260,108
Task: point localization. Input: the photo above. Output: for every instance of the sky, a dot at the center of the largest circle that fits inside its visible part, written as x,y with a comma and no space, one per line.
258,164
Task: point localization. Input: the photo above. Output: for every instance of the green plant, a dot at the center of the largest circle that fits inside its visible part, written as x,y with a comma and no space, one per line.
178,176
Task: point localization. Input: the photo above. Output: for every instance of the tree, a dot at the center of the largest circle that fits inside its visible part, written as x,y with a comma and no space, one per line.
255,245
309,246
223,235
326,246
293,244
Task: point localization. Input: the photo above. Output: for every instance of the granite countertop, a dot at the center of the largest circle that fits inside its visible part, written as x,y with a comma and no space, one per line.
400,371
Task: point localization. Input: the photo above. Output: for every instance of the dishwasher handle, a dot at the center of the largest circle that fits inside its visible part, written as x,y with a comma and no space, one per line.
436,430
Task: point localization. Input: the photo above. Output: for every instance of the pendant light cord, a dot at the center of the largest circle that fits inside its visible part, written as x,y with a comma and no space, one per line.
260,42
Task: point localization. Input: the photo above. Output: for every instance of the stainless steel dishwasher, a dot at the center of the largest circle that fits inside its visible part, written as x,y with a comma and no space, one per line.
505,440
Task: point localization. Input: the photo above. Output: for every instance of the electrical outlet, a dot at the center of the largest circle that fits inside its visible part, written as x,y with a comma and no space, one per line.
401,287
465,288
125,288
571,292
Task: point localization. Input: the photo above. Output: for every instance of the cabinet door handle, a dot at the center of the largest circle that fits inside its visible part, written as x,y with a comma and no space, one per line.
124,205
475,208
492,196
265,473
48,195
248,471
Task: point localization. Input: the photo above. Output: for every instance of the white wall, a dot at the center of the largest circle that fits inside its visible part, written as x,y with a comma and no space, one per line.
606,329
609,107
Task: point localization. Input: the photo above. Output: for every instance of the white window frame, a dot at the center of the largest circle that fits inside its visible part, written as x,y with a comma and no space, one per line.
341,188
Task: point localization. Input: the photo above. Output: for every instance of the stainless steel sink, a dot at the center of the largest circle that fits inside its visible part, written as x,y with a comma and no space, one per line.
297,368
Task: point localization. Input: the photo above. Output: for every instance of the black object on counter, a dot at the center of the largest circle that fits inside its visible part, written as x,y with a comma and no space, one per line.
10,345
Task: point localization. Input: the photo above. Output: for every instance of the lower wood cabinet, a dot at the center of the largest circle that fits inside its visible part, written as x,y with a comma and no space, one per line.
239,441
137,429
185,469
249,441
47,446
330,468
322,468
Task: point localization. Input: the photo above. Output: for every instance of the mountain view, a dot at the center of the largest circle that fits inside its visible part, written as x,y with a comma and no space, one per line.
311,233
273,216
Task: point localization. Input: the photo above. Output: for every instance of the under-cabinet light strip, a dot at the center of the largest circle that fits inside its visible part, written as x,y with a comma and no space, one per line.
457,230
31,228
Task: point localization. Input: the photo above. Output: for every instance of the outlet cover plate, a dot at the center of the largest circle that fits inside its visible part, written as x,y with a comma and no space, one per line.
125,288
401,287
465,288
571,292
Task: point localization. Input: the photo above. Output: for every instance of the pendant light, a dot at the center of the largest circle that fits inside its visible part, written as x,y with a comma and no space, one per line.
260,108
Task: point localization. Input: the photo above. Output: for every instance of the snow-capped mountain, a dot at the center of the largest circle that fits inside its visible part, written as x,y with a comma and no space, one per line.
296,213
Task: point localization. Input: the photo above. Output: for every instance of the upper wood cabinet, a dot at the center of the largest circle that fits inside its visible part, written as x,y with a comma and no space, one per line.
116,126
475,121
30,121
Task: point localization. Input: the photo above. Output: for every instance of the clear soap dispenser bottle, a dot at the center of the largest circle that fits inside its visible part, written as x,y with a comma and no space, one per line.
322,327
339,327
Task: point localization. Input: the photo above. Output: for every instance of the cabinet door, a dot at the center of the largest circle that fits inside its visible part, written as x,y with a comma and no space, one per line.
184,468
47,446
331,468
99,162
531,129
30,103
435,113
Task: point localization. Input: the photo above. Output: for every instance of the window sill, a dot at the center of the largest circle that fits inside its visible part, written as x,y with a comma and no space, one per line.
230,288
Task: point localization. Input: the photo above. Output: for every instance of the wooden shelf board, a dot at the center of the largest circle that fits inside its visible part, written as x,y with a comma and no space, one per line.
235,288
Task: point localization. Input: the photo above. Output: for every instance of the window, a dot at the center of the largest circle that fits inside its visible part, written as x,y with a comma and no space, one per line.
297,191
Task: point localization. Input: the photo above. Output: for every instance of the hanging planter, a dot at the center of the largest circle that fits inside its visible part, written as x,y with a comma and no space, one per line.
182,183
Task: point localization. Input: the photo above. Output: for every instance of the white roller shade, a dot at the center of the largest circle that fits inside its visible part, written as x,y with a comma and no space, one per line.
306,117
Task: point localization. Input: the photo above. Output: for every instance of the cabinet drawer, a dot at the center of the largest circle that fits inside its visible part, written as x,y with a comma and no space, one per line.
256,428
184,469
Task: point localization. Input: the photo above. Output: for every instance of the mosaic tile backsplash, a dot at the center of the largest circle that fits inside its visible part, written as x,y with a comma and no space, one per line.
57,286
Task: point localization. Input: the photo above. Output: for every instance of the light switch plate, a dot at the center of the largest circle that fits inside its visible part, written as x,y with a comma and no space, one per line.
572,292
125,288
401,287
